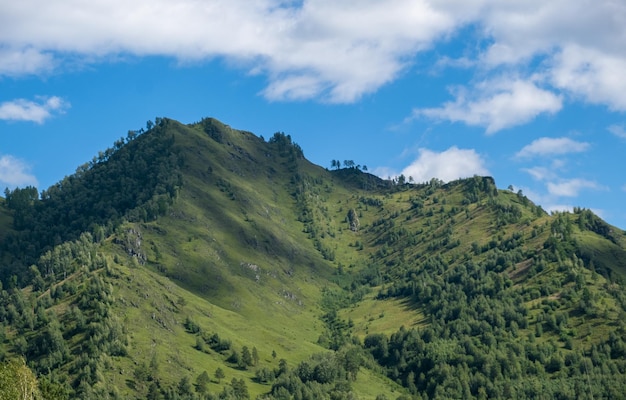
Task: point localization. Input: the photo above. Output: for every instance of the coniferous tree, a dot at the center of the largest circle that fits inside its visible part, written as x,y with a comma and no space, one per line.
202,383
219,374
246,357
255,356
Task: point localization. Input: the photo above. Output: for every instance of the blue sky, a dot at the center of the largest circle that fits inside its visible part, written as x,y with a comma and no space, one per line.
533,94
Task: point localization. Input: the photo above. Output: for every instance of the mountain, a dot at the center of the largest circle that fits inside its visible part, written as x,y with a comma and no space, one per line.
200,261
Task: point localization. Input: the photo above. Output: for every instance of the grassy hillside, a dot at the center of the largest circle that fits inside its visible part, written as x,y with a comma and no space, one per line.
228,252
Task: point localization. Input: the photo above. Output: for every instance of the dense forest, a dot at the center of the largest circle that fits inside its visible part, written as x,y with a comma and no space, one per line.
201,262
118,183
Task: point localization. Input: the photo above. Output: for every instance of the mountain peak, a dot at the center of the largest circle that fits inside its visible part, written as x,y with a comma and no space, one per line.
188,249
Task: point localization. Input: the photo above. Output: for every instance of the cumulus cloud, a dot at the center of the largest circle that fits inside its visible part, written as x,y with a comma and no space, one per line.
34,111
546,146
572,187
340,50
451,164
584,57
496,105
15,172
333,49
592,75
525,29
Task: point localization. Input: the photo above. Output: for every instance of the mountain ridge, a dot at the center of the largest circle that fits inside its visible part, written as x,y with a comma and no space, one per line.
228,234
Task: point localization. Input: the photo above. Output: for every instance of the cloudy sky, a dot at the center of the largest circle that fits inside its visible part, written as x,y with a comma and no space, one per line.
532,93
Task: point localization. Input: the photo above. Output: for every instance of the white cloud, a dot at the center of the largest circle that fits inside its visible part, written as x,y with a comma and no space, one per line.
15,172
557,188
384,172
27,110
24,61
496,105
584,58
594,76
571,187
521,30
618,130
445,61
337,50
547,201
550,203
540,173
546,146
448,165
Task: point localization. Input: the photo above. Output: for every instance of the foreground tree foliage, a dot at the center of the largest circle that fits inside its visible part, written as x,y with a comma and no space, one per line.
17,381
48,348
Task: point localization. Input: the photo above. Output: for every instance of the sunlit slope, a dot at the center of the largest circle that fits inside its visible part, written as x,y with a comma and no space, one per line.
167,255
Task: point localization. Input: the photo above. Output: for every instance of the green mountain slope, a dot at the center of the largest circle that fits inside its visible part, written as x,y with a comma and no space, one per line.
196,248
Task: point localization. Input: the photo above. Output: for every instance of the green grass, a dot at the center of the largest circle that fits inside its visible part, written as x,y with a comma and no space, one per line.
370,384
232,255
153,309
607,256
241,274
371,316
